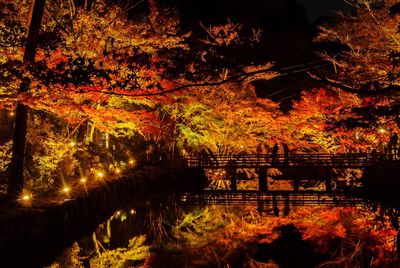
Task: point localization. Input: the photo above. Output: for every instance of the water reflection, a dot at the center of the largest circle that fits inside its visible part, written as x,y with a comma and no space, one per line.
215,236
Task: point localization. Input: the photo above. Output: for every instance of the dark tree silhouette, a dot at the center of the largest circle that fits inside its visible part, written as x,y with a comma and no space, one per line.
16,179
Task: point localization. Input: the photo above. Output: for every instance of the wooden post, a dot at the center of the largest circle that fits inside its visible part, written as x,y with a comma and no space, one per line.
296,183
262,180
328,184
287,206
260,204
275,206
233,175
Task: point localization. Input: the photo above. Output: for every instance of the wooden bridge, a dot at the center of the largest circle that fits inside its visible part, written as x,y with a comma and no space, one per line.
294,167
358,160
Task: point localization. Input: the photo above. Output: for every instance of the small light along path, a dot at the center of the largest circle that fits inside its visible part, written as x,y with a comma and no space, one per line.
71,191
68,192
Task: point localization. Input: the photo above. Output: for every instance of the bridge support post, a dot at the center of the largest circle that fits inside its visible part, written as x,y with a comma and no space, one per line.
328,180
287,206
275,205
328,184
233,179
296,183
262,180
260,204
232,174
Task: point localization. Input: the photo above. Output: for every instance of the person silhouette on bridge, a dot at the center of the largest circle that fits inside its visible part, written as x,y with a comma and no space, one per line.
259,149
286,153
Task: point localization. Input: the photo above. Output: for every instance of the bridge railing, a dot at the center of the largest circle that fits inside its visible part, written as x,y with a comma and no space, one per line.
290,160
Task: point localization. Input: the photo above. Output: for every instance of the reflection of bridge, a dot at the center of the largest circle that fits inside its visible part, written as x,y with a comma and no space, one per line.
286,198
360,160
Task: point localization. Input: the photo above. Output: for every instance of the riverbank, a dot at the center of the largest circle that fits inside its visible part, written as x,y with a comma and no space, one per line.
32,236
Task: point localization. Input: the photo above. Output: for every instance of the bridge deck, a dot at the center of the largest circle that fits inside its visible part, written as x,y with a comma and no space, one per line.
361,160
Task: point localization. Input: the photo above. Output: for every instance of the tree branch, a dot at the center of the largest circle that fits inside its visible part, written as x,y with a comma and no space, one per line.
181,86
364,90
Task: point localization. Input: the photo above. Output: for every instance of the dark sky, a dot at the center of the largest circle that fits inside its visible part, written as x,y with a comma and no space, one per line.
318,8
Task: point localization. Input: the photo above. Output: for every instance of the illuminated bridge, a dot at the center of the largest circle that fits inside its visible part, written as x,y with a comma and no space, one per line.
292,167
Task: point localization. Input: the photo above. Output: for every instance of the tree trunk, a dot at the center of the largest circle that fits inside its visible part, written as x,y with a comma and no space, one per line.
16,179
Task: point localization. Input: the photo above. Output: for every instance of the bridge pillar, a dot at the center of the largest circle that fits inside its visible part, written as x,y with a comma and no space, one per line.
296,183
328,184
232,174
275,205
287,206
328,180
260,204
262,180
233,179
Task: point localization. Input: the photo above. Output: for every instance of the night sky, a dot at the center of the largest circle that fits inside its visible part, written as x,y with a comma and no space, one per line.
318,8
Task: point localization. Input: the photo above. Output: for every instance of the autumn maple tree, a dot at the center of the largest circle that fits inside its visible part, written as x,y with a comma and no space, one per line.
88,62
98,68
369,63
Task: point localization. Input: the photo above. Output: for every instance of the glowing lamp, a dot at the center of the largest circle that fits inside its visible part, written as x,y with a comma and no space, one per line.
131,162
132,211
26,198
100,174
83,180
117,171
118,213
11,113
72,144
66,190
382,130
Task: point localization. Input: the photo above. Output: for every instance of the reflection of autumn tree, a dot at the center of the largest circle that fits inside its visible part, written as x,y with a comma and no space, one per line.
347,236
